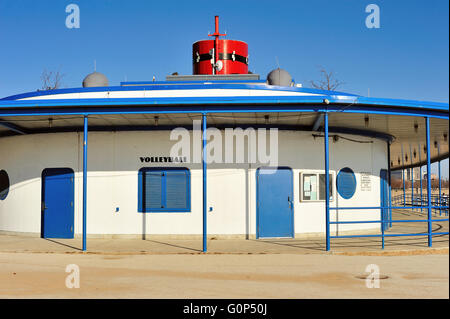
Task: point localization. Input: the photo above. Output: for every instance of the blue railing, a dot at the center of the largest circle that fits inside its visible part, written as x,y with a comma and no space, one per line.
436,204
386,221
439,204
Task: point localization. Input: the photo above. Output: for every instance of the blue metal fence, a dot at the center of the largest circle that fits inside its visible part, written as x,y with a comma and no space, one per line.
384,221
439,203
430,204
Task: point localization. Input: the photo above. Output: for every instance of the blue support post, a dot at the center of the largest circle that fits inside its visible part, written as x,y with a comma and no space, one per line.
205,235
85,149
412,177
420,179
389,183
403,178
439,179
427,123
327,184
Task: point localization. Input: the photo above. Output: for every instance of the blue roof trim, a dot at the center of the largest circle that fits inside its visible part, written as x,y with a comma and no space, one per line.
405,103
351,100
146,108
172,101
169,86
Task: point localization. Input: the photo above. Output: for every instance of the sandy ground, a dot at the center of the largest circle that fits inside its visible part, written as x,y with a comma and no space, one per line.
42,275
33,267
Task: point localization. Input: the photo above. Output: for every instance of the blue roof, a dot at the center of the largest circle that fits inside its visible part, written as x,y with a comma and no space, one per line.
333,97
191,85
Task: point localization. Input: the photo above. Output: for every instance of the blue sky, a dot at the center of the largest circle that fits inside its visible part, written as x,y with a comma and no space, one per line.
406,58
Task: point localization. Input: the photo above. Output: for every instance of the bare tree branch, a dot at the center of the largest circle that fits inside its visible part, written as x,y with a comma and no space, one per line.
327,82
51,80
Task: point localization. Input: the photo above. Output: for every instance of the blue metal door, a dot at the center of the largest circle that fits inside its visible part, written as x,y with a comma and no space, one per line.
384,198
57,203
275,216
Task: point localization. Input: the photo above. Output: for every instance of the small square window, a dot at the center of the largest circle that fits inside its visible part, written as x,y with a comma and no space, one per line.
312,186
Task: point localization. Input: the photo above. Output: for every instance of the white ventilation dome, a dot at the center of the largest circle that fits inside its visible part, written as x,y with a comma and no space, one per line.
95,79
279,77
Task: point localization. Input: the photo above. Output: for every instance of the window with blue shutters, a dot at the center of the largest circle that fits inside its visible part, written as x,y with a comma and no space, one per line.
163,189
346,183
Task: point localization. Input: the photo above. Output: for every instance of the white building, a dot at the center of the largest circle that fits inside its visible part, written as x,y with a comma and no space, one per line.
132,183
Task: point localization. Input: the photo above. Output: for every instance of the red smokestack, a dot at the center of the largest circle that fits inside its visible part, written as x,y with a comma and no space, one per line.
220,56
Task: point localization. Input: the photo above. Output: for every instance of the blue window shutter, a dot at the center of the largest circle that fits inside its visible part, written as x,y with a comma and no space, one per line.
176,189
346,183
164,189
153,190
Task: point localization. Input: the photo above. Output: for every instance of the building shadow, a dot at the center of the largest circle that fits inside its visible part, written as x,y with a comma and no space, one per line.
293,243
173,245
62,244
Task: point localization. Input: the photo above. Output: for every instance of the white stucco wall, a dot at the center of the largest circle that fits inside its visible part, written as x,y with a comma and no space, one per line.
113,164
